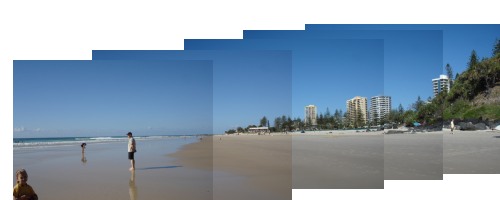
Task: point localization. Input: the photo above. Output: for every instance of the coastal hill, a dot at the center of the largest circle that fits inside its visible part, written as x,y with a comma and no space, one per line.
476,92
474,97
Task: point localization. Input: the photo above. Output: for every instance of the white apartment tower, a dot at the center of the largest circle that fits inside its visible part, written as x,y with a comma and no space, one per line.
357,108
441,84
311,114
380,107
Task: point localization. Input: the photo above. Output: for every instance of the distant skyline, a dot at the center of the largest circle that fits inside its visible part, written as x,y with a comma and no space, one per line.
111,98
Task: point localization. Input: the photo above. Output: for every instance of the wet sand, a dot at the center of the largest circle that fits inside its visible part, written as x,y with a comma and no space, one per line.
103,173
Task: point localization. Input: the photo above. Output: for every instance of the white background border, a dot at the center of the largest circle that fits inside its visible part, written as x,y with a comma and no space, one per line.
69,30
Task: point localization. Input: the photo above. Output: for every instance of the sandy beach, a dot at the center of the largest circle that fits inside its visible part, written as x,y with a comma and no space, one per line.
413,156
246,166
275,164
338,161
471,152
255,167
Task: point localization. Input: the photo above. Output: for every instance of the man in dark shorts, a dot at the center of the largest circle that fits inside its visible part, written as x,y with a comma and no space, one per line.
131,150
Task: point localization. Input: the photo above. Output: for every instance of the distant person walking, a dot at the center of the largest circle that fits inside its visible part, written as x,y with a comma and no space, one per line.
131,150
83,145
23,191
452,125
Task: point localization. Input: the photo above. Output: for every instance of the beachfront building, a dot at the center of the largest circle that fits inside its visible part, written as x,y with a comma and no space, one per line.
259,130
380,107
357,110
440,84
311,113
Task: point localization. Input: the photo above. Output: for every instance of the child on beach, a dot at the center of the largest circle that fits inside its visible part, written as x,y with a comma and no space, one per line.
23,191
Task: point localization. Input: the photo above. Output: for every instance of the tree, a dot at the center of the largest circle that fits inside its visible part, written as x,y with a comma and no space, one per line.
327,113
337,119
263,121
409,117
289,124
496,47
240,130
346,120
277,123
298,124
284,123
401,110
449,72
418,104
472,60
230,131
328,123
320,121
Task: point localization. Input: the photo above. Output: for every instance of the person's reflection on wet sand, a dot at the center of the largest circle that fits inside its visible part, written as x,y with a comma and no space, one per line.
132,188
84,159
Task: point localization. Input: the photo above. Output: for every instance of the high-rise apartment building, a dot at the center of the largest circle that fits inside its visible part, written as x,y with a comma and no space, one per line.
380,107
311,115
441,84
357,109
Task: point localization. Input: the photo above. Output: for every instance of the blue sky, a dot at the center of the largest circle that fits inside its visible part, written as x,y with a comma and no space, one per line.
411,58
324,65
325,73
247,85
458,39
96,98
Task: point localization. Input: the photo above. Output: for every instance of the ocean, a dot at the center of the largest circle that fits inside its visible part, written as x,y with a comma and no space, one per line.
38,143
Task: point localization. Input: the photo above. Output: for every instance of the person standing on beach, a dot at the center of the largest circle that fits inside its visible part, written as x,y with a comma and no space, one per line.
131,150
84,159
452,126
83,145
23,191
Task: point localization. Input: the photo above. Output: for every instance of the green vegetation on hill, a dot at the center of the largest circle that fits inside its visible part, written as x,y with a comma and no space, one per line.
474,94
